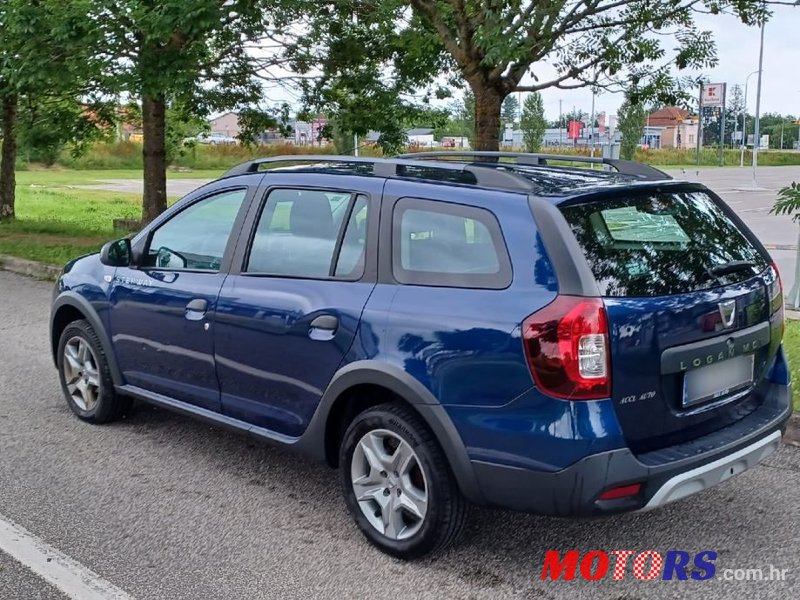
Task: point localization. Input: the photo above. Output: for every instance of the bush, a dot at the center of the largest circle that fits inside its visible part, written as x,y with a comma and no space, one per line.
128,155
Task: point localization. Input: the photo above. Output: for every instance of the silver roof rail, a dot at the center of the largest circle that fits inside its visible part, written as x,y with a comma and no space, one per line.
394,167
624,167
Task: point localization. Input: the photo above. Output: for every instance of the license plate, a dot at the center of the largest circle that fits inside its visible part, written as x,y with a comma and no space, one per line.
718,380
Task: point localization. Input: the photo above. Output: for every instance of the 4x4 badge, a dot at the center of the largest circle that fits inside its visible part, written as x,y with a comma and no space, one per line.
727,310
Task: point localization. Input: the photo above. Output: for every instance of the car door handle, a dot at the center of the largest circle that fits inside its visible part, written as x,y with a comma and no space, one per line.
323,328
325,322
196,309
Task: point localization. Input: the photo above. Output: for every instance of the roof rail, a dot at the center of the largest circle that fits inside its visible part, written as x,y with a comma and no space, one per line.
394,167
624,167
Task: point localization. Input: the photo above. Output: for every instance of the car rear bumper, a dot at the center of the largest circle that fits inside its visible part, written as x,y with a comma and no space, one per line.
665,475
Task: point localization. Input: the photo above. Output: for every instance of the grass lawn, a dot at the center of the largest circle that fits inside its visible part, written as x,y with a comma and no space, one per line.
54,225
56,222
791,343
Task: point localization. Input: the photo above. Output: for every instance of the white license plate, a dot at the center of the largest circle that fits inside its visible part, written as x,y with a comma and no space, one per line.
717,380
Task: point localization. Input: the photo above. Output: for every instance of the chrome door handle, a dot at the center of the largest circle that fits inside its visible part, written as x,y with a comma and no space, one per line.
323,328
196,309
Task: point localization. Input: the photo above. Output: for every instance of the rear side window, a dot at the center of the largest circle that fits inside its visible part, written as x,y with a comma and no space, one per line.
310,233
661,244
444,244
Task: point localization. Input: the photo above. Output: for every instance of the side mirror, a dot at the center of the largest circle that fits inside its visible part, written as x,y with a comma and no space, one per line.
117,253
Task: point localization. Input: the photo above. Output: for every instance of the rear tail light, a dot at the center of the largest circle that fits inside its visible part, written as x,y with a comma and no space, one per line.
566,345
775,290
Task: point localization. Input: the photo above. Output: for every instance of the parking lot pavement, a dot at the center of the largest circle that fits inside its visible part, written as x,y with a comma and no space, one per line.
17,581
165,507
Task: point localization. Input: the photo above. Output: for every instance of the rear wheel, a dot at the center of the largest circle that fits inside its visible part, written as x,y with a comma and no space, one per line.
85,375
397,483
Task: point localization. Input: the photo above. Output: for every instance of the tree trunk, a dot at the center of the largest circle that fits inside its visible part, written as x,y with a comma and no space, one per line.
488,102
154,201
8,158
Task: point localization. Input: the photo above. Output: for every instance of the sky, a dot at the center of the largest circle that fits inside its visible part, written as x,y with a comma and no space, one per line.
737,51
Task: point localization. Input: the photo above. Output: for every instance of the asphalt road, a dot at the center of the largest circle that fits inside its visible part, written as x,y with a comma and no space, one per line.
164,507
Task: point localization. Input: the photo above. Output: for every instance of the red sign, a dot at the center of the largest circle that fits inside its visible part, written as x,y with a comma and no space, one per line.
574,129
601,123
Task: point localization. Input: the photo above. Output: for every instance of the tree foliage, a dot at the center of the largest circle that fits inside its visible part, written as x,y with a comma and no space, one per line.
46,56
533,123
366,48
190,57
788,202
509,113
631,119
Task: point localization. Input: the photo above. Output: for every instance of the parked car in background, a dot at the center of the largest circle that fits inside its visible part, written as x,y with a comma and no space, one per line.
214,138
493,330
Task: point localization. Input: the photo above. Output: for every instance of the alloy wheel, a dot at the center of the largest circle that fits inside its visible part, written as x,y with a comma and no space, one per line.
389,484
80,373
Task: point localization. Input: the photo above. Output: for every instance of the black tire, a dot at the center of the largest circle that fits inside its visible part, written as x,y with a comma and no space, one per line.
446,507
109,405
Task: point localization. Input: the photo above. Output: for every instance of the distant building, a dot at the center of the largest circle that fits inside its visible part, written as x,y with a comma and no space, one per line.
421,137
226,124
671,127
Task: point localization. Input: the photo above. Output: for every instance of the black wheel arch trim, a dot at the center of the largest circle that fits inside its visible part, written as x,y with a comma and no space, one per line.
408,388
89,313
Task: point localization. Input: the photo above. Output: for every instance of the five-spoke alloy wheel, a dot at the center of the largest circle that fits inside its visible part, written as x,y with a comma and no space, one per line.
79,367
397,483
389,484
85,375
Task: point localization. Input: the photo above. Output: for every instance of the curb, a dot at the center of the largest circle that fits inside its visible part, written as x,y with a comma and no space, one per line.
29,268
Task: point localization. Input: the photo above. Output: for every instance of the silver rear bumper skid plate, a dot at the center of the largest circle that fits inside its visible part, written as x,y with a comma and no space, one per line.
702,478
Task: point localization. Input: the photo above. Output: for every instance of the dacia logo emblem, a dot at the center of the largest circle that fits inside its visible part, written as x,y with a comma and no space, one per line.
727,310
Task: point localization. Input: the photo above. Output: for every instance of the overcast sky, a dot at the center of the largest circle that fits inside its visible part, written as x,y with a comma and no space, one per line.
737,50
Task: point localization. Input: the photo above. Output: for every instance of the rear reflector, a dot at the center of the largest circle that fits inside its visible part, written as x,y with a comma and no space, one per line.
623,491
566,344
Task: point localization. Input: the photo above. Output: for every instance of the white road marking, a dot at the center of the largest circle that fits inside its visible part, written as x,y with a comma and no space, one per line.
55,567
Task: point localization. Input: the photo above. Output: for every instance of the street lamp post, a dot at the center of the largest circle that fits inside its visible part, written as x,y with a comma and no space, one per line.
757,127
744,119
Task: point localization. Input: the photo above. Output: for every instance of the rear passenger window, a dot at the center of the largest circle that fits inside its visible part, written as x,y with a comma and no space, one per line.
310,233
445,244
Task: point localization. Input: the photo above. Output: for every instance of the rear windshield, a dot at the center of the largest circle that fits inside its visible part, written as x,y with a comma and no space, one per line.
659,244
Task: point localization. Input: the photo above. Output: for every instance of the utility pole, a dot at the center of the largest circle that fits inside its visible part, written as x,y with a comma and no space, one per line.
591,135
700,123
722,125
757,132
744,119
560,125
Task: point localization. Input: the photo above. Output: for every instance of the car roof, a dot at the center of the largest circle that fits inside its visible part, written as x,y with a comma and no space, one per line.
540,174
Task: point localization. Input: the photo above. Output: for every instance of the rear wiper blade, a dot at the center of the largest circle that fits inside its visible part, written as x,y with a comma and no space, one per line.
731,267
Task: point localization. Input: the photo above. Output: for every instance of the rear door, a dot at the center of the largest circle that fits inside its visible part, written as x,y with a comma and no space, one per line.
693,306
289,311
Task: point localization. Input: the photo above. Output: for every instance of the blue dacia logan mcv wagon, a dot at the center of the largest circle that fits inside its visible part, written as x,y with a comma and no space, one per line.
447,329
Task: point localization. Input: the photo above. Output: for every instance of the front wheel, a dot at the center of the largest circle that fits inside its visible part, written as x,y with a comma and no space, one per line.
85,375
397,483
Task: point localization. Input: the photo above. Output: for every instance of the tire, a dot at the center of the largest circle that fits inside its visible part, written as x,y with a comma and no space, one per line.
85,376
422,483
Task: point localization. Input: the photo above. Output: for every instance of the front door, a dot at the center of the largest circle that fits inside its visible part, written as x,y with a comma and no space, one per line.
162,312
287,320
